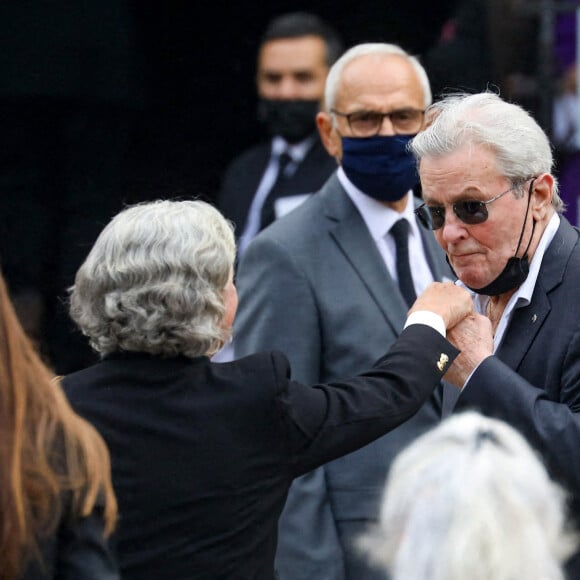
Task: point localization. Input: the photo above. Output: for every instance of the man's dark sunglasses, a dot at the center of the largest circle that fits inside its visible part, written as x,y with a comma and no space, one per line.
470,212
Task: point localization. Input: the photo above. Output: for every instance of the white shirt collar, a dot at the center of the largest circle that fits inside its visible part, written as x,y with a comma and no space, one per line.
378,218
297,151
525,291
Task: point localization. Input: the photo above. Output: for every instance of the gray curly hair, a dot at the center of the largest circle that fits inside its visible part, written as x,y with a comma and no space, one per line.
154,280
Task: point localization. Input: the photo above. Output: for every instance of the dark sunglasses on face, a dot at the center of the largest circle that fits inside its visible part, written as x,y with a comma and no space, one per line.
470,212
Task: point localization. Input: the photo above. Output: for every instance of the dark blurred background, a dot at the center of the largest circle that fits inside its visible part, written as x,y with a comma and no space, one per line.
181,73
200,66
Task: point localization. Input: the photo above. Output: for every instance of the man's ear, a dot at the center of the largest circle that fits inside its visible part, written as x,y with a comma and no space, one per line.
542,195
328,135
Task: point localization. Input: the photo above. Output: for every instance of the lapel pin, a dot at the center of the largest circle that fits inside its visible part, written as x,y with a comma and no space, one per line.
443,360
534,318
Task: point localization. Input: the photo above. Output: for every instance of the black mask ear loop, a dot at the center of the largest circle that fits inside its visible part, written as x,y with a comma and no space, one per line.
524,225
516,269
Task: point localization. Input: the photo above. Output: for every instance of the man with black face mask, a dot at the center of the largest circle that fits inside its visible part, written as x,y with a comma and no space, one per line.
493,204
324,285
268,180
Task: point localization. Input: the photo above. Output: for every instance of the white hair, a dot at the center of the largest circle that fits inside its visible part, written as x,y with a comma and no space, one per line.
154,279
521,147
371,48
470,499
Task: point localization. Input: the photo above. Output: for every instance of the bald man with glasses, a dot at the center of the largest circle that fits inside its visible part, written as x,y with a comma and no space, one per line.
330,285
493,204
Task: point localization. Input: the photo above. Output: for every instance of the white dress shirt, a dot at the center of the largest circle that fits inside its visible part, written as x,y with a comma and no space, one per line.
379,220
297,153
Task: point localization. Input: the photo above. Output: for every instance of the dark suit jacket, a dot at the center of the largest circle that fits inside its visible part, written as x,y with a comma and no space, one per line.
245,172
203,454
533,381
314,285
76,551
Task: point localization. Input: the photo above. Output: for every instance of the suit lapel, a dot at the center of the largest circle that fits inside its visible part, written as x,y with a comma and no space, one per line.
527,321
523,327
354,240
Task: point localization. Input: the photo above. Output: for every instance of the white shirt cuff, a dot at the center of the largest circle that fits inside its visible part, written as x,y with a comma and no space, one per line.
429,318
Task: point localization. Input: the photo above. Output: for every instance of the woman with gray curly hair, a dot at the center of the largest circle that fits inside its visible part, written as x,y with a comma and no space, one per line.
470,499
154,282
202,453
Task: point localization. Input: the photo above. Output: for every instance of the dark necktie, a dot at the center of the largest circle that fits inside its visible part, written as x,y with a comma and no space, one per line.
400,232
267,215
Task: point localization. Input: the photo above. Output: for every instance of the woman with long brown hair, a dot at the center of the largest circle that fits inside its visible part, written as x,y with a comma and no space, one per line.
57,505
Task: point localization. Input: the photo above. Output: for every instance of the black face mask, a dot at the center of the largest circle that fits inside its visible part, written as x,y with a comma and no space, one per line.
512,276
293,120
516,270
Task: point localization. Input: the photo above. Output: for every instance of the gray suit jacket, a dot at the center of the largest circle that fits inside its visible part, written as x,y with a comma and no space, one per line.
314,286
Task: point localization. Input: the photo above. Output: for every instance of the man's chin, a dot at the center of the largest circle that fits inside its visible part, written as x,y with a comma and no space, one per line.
470,280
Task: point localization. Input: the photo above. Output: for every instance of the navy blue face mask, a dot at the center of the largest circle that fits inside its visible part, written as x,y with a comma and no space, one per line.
380,166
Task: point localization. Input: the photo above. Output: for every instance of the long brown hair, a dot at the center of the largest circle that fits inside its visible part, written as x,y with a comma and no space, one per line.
48,454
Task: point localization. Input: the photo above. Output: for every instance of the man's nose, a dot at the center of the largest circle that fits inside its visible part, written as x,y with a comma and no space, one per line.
289,88
387,127
453,228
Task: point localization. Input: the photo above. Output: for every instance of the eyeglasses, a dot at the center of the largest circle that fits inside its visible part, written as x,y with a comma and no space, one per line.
368,123
470,212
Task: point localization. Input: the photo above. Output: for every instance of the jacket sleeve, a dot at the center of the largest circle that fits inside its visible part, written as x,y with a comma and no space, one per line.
328,420
83,553
552,427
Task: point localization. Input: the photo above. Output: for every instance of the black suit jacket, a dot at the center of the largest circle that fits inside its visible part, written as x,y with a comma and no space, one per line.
203,454
533,381
243,176
77,550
